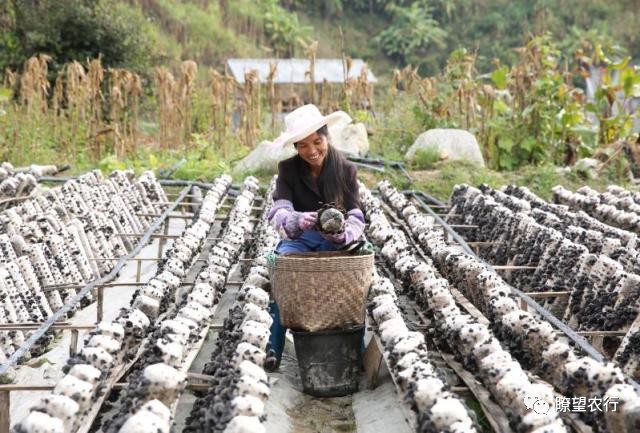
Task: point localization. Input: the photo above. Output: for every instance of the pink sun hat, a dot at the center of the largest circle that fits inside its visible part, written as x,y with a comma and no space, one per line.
304,121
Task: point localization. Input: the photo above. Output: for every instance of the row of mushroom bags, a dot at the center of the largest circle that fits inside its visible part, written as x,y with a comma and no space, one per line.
515,352
166,318
63,238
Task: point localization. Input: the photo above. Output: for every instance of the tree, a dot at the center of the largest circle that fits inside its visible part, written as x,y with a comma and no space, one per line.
70,30
412,32
283,30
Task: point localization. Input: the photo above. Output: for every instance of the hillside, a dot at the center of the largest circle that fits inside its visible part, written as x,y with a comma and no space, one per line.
387,34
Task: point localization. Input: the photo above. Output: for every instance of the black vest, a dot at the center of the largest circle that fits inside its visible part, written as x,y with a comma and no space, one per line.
296,184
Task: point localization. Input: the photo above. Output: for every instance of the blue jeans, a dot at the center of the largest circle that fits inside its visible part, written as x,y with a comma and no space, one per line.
309,241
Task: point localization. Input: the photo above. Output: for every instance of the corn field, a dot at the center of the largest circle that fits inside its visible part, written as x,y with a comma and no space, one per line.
90,111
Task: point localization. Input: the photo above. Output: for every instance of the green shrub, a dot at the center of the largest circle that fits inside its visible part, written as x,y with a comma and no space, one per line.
283,30
425,158
70,30
412,32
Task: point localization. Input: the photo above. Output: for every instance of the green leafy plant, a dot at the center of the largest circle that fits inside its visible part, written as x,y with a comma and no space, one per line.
425,158
529,112
76,30
412,32
283,30
620,81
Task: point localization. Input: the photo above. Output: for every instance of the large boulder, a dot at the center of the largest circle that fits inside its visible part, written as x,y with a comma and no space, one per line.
587,167
264,158
350,138
451,144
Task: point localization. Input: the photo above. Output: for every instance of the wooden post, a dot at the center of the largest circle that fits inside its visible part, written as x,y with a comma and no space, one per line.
138,270
5,411
100,304
597,341
73,346
165,231
372,363
523,305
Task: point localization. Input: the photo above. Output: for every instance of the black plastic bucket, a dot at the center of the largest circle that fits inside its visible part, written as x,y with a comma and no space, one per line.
329,361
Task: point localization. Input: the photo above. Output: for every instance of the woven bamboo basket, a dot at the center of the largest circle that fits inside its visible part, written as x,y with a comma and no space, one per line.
321,290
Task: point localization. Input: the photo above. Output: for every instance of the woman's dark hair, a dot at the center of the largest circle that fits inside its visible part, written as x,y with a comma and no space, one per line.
334,176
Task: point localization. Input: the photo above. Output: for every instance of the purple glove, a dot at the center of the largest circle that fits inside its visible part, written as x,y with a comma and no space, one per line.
353,229
290,223
306,220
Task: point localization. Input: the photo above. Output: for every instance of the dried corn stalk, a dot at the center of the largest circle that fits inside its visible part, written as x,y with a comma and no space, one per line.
311,73
221,87
364,89
95,76
274,102
250,117
348,83
34,86
186,84
10,78
165,88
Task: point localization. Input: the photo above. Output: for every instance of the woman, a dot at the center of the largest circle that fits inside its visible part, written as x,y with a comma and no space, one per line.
316,175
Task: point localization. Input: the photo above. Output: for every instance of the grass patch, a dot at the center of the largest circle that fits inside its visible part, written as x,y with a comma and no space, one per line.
440,180
425,158
202,163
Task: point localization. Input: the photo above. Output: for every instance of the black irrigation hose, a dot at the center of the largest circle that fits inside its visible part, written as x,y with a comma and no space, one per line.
167,173
400,166
83,292
372,161
54,179
373,164
426,197
370,167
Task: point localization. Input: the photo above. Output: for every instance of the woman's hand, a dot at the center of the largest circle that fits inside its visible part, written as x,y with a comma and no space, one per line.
297,222
351,231
290,223
307,220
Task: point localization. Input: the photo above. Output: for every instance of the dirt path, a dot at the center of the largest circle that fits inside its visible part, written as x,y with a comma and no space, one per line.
322,415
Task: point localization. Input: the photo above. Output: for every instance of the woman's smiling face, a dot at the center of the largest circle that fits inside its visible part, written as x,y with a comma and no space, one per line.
313,149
